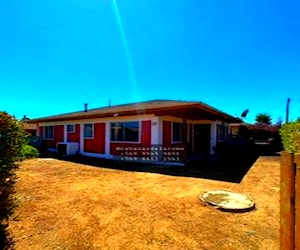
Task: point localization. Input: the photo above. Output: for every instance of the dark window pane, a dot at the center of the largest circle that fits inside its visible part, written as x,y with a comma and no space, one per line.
221,132
117,131
49,132
124,131
88,131
131,131
70,128
177,132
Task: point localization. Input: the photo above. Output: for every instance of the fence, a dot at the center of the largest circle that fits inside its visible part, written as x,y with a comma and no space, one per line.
289,201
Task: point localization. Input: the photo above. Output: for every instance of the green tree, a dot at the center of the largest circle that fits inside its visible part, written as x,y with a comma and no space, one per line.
12,139
263,118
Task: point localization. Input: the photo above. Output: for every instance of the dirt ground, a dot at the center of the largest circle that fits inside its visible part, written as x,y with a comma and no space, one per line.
65,205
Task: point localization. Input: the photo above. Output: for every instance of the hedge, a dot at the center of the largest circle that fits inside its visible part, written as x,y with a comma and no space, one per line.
28,152
290,135
12,139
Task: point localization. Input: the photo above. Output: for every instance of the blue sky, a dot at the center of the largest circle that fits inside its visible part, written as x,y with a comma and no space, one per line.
233,55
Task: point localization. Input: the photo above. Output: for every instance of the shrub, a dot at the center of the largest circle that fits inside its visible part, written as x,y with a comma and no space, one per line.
12,138
290,135
268,133
28,152
261,131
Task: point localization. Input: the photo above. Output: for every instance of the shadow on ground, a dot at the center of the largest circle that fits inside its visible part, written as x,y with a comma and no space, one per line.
6,242
229,169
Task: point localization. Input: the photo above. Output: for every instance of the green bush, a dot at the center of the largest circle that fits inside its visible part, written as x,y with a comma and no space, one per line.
290,136
29,152
12,139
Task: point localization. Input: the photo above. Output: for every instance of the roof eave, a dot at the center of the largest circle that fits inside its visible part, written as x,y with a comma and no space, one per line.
218,114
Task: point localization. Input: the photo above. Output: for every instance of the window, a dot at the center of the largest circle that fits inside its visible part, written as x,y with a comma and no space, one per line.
176,132
88,131
125,131
222,131
70,128
49,133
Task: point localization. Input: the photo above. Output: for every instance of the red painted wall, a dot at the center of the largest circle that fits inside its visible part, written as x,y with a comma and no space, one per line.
166,133
146,133
97,144
145,140
58,136
41,131
74,137
59,133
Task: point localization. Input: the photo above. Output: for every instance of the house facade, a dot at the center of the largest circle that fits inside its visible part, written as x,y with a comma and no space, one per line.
163,131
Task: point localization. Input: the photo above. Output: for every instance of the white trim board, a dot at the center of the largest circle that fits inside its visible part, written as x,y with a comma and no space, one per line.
101,120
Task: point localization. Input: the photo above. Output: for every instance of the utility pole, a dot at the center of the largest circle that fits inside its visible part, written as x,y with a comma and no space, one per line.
287,110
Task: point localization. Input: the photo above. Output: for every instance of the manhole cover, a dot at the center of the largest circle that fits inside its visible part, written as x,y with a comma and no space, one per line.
227,201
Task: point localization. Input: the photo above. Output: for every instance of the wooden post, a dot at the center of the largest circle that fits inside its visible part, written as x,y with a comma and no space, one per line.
297,202
287,200
185,139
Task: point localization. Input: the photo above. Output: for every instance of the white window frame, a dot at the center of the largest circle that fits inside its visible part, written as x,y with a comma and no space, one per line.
139,132
93,127
172,136
52,138
73,128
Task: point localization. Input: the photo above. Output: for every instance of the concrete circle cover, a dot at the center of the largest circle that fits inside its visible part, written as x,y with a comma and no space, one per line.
227,201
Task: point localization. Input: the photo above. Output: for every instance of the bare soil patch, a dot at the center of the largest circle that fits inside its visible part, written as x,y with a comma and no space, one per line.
65,205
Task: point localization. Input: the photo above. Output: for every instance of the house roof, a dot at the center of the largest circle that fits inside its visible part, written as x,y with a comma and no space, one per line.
183,109
239,124
28,126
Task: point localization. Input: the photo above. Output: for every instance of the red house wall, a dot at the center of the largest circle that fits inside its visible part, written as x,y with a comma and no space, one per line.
167,133
97,144
58,136
75,136
146,133
145,139
41,131
59,133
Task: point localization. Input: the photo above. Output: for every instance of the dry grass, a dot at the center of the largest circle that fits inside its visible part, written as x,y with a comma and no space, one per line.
66,205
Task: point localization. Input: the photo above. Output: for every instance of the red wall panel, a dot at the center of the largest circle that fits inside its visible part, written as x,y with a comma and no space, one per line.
74,137
166,133
146,133
41,131
117,148
58,136
59,133
97,144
